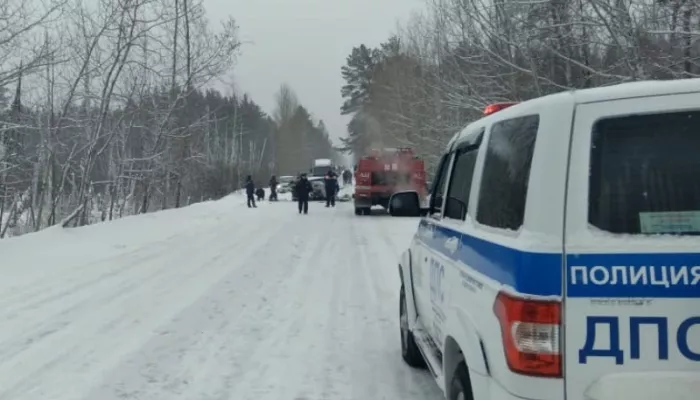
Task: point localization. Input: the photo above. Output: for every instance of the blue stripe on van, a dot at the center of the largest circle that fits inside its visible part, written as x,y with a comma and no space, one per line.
674,275
527,272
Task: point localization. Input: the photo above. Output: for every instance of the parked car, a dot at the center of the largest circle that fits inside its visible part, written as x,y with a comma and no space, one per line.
318,186
285,184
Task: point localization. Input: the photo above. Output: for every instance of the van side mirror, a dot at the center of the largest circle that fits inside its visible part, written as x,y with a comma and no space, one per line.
405,204
435,204
455,208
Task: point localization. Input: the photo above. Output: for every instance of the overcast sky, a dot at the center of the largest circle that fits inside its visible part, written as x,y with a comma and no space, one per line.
304,43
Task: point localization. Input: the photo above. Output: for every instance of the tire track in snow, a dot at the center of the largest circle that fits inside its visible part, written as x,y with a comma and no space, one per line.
205,334
37,291
334,368
380,276
166,276
272,306
317,347
120,281
292,344
276,321
362,312
44,287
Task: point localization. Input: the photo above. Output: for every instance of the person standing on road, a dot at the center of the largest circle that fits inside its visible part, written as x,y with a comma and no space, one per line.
273,188
250,191
347,177
302,189
332,188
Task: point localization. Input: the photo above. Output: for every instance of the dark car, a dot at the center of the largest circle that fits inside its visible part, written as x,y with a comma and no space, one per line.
318,186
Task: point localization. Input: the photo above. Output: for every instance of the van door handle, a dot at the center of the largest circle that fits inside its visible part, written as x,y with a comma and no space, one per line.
452,244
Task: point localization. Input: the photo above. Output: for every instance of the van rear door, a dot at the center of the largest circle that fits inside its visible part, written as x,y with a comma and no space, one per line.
632,244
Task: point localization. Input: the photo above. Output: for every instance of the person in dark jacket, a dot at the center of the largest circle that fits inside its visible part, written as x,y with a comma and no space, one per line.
273,188
302,189
331,181
347,177
260,194
250,191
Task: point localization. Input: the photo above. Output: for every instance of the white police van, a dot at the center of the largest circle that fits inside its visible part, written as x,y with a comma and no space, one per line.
560,254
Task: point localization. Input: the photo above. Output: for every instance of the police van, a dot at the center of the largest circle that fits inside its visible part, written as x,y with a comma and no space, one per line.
559,257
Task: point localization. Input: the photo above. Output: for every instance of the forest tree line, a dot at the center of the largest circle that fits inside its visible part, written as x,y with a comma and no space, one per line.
107,109
440,70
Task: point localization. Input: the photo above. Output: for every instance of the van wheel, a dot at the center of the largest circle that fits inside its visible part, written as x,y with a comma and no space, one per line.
461,387
409,349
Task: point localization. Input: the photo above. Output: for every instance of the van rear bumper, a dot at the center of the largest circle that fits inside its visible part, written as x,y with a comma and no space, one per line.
485,387
498,393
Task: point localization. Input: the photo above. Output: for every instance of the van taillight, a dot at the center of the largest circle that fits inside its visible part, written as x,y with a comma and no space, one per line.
530,331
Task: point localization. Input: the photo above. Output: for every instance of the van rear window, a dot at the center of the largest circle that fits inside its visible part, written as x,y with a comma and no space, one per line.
645,174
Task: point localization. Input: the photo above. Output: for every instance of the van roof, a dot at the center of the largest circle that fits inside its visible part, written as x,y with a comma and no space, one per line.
582,96
637,89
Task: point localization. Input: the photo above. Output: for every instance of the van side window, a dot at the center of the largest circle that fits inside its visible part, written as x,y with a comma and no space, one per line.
645,174
506,173
439,184
460,184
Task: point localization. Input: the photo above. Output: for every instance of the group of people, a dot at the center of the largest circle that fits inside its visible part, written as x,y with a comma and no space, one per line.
252,192
302,190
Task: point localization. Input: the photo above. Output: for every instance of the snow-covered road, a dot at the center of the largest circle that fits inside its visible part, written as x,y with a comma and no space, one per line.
214,301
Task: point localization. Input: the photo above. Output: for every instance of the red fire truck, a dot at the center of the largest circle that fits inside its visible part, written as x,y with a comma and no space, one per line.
383,172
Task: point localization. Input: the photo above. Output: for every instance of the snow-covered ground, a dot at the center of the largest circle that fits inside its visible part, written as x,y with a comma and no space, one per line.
213,301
